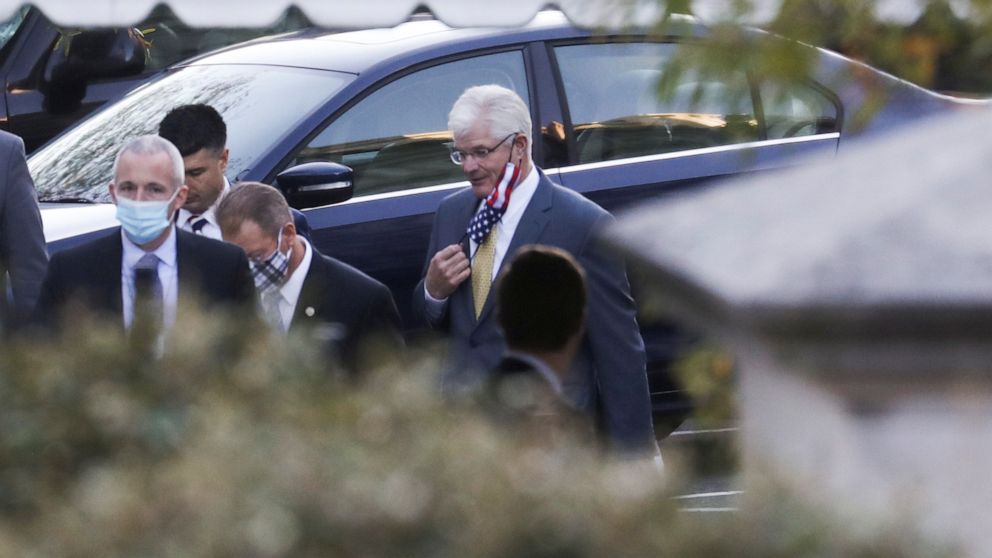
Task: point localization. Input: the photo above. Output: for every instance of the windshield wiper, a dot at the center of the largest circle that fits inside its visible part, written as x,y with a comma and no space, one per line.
66,200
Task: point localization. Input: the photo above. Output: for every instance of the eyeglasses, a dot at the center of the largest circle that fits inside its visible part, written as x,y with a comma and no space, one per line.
458,156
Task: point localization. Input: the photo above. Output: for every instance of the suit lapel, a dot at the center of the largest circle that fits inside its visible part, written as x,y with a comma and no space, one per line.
532,224
463,215
112,252
313,294
461,301
186,268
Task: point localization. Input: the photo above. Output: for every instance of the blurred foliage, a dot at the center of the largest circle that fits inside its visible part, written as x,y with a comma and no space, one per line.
237,444
778,60
940,50
709,376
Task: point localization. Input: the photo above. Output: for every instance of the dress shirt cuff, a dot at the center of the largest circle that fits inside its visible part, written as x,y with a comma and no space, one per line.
434,307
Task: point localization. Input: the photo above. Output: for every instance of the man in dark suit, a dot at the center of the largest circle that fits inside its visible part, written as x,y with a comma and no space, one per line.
148,252
300,288
200,134
541,309
510,203
23,257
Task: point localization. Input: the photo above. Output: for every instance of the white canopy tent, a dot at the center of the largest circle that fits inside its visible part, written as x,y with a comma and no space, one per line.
374,13
337,13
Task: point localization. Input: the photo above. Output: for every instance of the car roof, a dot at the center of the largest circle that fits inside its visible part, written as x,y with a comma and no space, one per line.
356,51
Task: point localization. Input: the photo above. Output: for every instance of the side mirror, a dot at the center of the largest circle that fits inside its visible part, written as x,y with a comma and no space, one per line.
316,184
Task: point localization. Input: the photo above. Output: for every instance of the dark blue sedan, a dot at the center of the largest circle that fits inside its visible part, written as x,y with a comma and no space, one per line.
375,103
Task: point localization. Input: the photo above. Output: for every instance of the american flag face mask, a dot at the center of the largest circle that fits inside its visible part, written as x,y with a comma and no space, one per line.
495,206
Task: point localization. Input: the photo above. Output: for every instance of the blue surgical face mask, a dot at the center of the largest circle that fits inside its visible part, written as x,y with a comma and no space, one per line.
143,221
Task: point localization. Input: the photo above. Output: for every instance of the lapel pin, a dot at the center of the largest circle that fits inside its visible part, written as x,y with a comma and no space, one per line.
309,311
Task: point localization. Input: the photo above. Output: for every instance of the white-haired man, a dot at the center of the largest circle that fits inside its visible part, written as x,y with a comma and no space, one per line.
147,253
510,203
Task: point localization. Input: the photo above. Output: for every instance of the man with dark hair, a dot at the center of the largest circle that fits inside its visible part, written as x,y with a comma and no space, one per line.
302,289
541,308
200,134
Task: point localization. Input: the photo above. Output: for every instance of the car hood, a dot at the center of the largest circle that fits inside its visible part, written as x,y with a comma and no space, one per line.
62,220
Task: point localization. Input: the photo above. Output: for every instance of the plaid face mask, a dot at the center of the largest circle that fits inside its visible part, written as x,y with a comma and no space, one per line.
270,274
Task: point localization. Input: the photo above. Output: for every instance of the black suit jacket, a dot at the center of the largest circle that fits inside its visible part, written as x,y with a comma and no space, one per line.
346,308
215,272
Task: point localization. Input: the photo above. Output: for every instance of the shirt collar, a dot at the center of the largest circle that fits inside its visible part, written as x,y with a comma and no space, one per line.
210,214
542,368
291,289
166,252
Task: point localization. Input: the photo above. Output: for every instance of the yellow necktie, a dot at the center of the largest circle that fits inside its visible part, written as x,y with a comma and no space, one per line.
482,271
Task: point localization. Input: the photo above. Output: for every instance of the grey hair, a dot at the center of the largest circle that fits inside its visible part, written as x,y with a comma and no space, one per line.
500,108
152,145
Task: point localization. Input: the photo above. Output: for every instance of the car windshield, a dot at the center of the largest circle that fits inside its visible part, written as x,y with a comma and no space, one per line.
78,166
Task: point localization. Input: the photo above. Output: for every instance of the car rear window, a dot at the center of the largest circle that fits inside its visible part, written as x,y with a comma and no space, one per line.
252,99
619,109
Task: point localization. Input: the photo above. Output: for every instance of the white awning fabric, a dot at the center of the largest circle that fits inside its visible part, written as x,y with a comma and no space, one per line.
379,13
338,13
895,11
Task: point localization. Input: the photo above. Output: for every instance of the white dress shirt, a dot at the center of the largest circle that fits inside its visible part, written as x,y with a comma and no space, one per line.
168,276
289,293
504,230
211,229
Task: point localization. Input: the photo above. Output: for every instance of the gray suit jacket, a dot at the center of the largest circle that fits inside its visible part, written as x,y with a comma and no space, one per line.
23,255
609,377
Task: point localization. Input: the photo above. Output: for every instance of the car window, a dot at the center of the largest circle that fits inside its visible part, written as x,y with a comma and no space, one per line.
397,137
162,37
620,106
169,40
796,109
252,100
